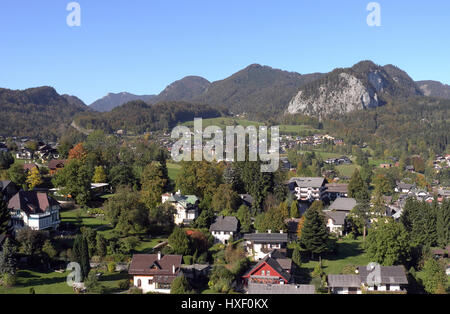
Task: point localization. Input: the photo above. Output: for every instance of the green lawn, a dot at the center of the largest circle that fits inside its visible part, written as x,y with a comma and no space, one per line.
43,283
174,170
350,252
347,170
145,247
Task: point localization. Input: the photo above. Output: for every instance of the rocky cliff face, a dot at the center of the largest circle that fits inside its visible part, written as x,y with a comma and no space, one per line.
363,86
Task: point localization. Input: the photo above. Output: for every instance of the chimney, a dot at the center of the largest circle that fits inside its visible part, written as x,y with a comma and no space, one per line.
159,255
269,231
281,231
173,269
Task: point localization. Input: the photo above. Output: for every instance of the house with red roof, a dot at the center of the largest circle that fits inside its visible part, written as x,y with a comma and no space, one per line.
155,272
33,209
274,269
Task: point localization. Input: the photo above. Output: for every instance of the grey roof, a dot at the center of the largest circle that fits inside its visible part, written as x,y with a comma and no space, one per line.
267,237
256,288
388,275
405,186
305,182
337,216
346,281
247,198
337,187
229,223
342,203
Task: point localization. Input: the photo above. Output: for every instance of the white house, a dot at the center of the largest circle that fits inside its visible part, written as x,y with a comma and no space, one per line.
186,206
224,229
35,210
259,245
154,272
383,278
344,284
308,189
335,221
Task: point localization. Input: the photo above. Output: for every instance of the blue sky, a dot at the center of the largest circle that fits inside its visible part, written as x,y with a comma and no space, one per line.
141,46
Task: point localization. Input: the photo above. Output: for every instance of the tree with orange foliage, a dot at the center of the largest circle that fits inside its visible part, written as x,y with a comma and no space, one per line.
300,227
78,152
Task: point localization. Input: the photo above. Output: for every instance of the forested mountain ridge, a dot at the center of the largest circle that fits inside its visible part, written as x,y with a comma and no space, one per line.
139,117
434,89
36,112
111,101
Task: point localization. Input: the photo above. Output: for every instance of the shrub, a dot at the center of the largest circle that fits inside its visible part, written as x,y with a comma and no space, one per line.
124,284
187,259
111,267
9,280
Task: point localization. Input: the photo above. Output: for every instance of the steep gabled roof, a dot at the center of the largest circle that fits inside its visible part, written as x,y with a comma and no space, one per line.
143,264
388,275
31,202
273,263
228,224
267,237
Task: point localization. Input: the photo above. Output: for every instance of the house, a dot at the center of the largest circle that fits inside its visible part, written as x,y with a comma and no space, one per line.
335,221
378,278
307,189
285,164
55,165
336,190
273,269
35,210
259,245
196,271
186,206
343,204
8,189
25,154
344,284
259,288
383,278
29,167
224,229
154,272
247,199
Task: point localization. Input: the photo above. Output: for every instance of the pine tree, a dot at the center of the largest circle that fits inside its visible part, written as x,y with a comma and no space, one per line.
357,188
7,259
5,217
101,246
81,255
443,224
314,232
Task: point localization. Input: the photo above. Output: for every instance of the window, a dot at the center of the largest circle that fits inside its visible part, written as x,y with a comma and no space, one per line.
150,281
268,273
263,273
388,287
139,283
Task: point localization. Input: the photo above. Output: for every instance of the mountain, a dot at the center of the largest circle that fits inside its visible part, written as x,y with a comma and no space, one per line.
365,85
111,101
256,89
185,89
139,117
434,89
36,112
75,101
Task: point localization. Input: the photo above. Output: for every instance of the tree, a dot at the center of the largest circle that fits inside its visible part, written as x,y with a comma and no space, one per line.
34,178
31,240
358,219
296,257
99,175
7,260
314,235
49,249
91,237
225,200
78,152
5,217
80,252
161,218
179,241
153,183
419,219
388,243
357,188
245,219
75,180
434,276
6,160
300,225
382,185
101,245
205,219
17,174
443,223
199,178
180,285
294,210
122,175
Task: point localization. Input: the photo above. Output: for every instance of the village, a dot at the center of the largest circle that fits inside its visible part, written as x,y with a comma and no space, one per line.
229,244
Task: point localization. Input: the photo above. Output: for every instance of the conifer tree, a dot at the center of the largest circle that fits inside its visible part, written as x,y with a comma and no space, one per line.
7,259
81,255
5,217
294,210
314,236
